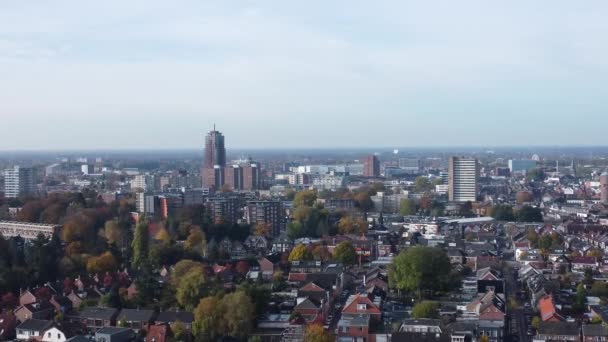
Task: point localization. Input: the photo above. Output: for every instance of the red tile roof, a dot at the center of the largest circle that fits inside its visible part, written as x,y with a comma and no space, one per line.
370,307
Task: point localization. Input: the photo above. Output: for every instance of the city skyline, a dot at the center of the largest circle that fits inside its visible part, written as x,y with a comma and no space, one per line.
114,76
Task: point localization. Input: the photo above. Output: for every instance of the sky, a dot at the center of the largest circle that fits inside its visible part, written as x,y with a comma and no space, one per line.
284,74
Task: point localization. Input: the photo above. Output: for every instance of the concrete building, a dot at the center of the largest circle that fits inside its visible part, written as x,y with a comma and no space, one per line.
244,176
371,166
410,165
18,181
388,203
463,178
214,160
604,186
329,182
270,213
224,209
28,231
521,166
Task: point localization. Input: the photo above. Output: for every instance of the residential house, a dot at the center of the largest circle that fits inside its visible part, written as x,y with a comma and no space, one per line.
61,303
114,334
257,244
581,263
266,267
281,244
27,297
548,311
56,334
174,317
427,326
159,333
135,319
37,310
94,317
558,331
32,329
595,333
311,309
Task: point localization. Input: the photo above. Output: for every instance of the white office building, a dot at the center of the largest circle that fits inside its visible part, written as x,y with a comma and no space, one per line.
18,181
463,178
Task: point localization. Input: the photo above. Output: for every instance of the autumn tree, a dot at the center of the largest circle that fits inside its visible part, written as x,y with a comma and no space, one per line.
321,252
112,232
237,312
163,236
207,318
196,240
304,198
352,225
261,229
300,252
345,253
140,243
316,333
102,263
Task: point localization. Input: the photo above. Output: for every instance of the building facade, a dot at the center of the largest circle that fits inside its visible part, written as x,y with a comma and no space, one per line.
270,213
371,166
18,181
463,178
604,186
214,160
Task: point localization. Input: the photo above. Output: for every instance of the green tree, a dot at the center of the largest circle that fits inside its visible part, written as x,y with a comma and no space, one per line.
422,184
345,253
502,212
295,230
407,207
305,198
300,252
190,289
140,244
580,299
207,318
426,309
529,214
421,268
237,311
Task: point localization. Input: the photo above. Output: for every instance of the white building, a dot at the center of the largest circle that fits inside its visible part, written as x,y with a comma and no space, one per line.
54,335
18,181
463,177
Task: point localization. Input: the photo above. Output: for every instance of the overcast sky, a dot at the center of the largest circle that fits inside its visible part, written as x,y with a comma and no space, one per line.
150,74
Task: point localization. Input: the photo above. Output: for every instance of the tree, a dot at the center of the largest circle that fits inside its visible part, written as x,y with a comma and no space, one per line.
502,212
407,207
190,289
422,184
351,225
484,338
529,214
580,299
535,322
112,232
321,252
195,240
421,268
426,309
242,267
305,198
295,230
140,244
345,253
261,229
532,236
102,263
207,317
316,333
182,268
237,312
163,236
300,252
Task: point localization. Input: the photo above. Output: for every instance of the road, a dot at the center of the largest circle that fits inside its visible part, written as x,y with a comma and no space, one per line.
518,316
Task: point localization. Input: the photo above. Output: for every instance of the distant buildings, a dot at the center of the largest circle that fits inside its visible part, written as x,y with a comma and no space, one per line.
388,203
463,177
371,166
18,181
410,165
28,231
266,212
521,165
604,186
243,176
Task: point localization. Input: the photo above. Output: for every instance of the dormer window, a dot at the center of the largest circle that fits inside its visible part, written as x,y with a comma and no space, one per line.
361,307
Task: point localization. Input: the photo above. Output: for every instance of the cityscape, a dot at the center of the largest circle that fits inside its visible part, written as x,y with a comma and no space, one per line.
272,171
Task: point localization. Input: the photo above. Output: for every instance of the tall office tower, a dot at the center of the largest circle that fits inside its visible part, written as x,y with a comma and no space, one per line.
270,213
604,186
18,181
251,176
371,166
214,160
463,175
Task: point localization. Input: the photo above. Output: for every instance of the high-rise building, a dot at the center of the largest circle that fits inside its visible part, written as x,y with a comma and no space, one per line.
215,151
18,181
243,176
604,186
266,212
371,166
214,160
224,209
463,176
